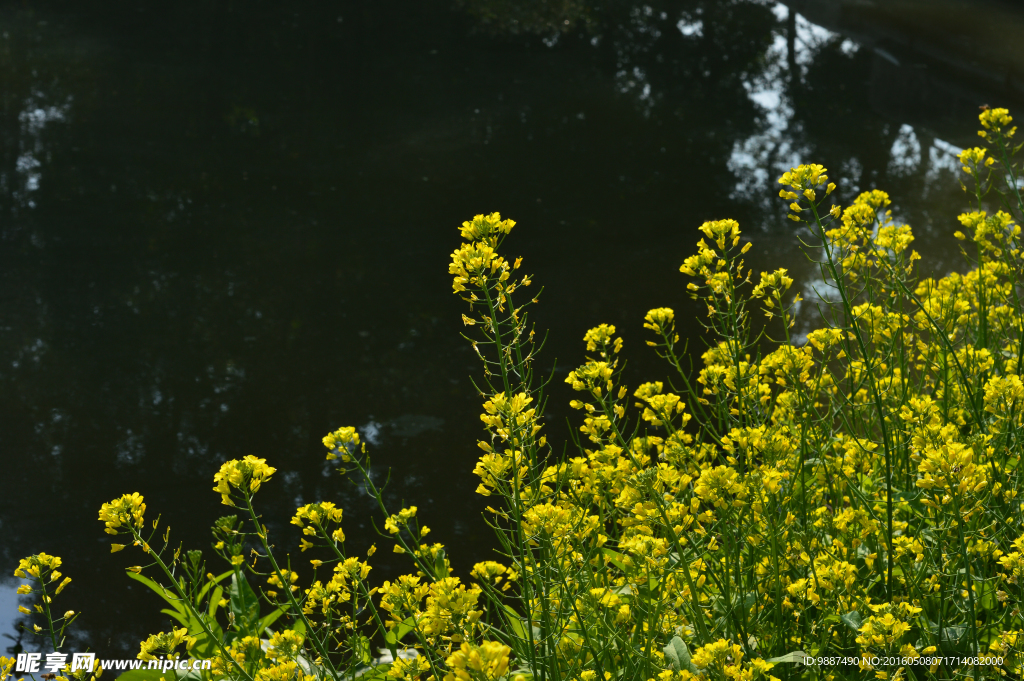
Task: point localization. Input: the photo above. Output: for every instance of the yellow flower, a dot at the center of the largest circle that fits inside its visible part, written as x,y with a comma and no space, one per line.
126,511
802,178
244,651
285,671
341,441
721,486
659,320
718,654
6,666
894,238
489,571
165,643
779,281
703,262
245,475
395,522
289,576
312,516
995,121
409,670
1001,393
950,466
882,632
992,233
486,662
473,263
601,336
722,232
486,228
974,158
39,566
285,645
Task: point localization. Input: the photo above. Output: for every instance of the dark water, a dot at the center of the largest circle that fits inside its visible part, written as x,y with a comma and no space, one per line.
224,226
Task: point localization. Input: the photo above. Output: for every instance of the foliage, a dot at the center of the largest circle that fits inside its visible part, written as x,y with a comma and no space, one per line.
853,495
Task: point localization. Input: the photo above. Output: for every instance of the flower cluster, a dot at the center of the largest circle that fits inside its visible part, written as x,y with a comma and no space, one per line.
164,644
341,442
244,475
123,514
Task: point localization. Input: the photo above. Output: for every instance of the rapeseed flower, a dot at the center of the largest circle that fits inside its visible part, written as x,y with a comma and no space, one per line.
974,159
996,123
164,644
397,521
245,475
486,228
660,320
314,517
341,442
486,662
285,671
285,645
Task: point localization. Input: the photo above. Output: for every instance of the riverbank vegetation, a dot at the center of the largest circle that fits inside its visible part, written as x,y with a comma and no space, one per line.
841,505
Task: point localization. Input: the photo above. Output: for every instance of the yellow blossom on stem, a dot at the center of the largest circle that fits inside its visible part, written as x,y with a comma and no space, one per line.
245,475
340,442
486,662
128,510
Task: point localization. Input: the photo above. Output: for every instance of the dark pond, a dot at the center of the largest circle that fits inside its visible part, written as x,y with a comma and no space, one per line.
225,226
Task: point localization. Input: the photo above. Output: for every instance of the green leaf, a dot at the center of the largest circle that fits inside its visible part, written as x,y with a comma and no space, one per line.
516,623
441,569
271,618
617,559
678,655
376,673
797,657
403,628
244,605
522,671
205,647
176,615
363,650
215,601
852,620
160,591
214,582
987,595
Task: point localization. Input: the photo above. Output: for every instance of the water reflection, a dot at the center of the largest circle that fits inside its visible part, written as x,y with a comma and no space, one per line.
227,236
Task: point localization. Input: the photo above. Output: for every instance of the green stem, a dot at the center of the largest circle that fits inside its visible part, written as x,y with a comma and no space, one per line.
366,593
847,309
286,584
187,602
515,496
49,617
970,581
